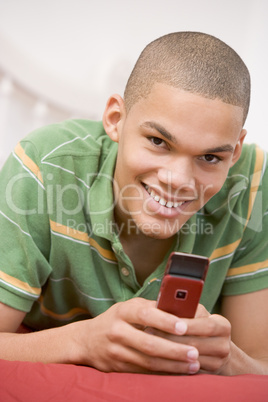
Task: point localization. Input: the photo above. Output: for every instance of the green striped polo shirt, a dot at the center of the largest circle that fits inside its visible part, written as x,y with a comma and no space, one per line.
61,257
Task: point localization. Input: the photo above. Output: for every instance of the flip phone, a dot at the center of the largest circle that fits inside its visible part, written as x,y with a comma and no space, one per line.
182,284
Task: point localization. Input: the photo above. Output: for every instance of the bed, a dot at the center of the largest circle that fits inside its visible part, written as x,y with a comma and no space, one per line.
26,381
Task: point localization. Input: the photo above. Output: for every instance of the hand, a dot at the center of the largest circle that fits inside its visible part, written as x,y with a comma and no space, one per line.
116,340
211,335
213,342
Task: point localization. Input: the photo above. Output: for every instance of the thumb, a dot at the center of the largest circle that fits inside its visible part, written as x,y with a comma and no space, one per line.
201,312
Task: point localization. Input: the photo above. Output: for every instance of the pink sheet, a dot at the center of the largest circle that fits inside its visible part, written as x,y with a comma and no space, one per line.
24,381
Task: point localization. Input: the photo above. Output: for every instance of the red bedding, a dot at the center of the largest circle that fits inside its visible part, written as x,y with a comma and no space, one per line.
24,381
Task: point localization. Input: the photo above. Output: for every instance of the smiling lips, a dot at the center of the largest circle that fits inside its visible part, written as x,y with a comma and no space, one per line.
161,200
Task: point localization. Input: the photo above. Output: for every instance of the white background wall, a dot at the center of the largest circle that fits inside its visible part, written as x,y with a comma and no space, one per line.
63,58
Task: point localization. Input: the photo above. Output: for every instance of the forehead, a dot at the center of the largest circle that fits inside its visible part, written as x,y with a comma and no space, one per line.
181,112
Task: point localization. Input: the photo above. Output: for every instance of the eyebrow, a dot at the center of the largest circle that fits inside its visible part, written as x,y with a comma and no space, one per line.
161,130
222,148
172,138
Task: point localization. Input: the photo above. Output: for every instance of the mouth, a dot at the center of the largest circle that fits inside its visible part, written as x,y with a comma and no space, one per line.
161,200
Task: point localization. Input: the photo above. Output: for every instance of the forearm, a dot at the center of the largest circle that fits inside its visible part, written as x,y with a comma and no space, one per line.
55,345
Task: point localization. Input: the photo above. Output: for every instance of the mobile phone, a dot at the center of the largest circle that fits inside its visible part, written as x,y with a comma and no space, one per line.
182,284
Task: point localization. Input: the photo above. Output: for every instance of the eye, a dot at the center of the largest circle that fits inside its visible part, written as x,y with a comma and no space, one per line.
212,159
157,141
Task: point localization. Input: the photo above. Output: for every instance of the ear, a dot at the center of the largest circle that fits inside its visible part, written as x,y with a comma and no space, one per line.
238,147
113,117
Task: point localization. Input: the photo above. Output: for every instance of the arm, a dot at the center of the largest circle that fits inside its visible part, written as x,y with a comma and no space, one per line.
27,347
248,316
116,340
10,318
113,341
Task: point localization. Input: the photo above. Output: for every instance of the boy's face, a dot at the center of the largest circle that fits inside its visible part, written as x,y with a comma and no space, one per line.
174,152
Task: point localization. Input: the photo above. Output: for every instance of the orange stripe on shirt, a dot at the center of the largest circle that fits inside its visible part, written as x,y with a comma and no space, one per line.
246,269
17,283
66,316
225,250
82,236
19,151
256,179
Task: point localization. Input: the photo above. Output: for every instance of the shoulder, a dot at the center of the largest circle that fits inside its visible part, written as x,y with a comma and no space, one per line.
248,175
248,178
70,137
252,159
76,147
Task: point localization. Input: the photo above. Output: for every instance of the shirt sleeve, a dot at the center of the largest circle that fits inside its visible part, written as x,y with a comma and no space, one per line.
248,271
25,232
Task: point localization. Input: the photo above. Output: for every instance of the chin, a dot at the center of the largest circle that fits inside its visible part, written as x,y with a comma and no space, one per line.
156,236
158,232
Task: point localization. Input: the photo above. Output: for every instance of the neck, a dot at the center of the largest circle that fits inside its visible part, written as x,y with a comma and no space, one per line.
145,252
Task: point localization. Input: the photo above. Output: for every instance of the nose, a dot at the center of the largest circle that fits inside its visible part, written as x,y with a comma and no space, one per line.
178,175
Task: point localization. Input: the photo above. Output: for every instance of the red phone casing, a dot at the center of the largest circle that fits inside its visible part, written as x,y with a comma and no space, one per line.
182,295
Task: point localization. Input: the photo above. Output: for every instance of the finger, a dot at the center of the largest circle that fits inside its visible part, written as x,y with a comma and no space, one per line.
212,364
213,351
144,313
156,346
151,345
214,325
212,346
129,360
201,311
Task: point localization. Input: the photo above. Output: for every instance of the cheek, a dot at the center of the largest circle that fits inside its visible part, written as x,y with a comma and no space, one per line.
137,163
211,186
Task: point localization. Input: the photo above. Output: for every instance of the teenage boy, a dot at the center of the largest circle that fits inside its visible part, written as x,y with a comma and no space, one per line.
88,221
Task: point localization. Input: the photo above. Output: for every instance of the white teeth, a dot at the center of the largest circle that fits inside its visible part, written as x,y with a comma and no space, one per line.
169,204
162,201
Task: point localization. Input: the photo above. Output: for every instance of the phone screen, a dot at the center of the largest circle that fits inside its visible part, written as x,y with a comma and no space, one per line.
188,265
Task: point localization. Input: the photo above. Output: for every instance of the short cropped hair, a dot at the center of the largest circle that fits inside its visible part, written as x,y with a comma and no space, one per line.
192,61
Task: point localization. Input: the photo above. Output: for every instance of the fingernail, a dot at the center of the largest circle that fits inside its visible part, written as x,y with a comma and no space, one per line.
193,368
181,327
192,355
